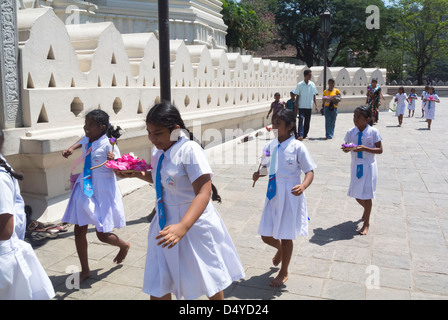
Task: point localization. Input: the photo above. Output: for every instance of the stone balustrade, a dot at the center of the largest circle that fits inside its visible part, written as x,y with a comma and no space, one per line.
68,70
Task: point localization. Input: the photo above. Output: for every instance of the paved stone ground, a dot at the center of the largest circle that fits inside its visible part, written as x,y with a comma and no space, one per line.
405,253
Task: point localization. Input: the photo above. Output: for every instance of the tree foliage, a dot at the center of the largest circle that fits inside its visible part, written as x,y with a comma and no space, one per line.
299,25
247,28
423,32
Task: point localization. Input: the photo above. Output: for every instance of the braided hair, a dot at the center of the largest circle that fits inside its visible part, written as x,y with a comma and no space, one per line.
102,118
3,163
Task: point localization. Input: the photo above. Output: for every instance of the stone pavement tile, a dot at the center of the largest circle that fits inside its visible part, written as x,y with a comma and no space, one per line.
310,267
350,272
127,276
112,291
387,294
392,258
343,290
303,285
353,254
395,278
431,283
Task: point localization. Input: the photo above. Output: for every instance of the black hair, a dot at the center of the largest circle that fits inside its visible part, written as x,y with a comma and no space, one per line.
3,163
102,118
288,117
330,80
166,115
365,111
306,72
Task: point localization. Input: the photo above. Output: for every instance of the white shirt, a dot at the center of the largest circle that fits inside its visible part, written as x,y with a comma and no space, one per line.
184,162
401,98
292,158
11,202
369,137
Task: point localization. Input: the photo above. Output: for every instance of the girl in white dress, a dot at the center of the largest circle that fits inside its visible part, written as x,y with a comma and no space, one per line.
285,214
401,98
411,106
103,208
424,93
364,170
21,274
430,107
190,252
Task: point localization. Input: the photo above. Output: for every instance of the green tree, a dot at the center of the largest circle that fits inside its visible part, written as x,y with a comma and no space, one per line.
245,28
299,25
423,27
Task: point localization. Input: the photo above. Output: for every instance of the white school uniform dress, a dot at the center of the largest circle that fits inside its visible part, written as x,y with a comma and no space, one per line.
21,274
424,94
412,98
285,216
401,103
205,260
105,208
430,107
363,188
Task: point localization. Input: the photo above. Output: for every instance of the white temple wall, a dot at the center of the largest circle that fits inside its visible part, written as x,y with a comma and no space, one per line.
69,70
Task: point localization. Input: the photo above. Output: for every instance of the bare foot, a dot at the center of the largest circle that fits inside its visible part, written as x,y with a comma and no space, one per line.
279,280
122,254
83,275
277,258
364,230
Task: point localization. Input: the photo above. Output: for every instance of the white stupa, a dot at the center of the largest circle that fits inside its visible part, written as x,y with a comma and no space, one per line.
193,21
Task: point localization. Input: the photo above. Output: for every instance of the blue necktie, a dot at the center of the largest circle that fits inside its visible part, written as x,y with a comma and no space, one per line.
272,185
359,168
161,211
87,174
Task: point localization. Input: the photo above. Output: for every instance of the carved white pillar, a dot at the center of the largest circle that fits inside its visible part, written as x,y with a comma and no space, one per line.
10,108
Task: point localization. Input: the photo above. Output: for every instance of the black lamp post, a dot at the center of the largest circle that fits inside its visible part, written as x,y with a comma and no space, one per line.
325,31
164,51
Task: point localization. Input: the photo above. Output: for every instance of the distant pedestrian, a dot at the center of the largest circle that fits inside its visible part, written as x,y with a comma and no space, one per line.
306,97
285,215
290,104
331,97
276,105
430,108
411,106
400,98
363,141
424,94
374,100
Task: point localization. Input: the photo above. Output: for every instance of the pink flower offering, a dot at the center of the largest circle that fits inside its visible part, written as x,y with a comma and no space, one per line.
349,145
431,98
128,162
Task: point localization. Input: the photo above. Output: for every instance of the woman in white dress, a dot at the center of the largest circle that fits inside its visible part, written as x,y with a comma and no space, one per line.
100,202
367,143
285,215
190,252
21,274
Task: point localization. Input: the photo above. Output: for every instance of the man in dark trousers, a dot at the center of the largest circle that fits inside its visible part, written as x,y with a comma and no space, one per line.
306,96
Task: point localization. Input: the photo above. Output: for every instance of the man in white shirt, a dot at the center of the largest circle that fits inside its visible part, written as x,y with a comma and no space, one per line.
306,96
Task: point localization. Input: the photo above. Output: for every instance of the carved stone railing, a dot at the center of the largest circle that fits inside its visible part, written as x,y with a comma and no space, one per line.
68,70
